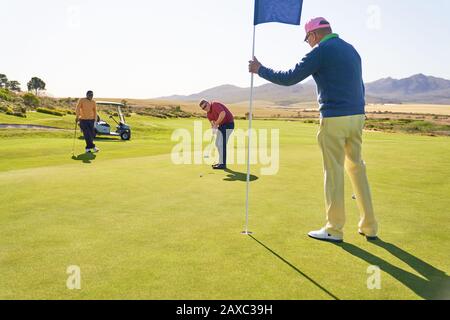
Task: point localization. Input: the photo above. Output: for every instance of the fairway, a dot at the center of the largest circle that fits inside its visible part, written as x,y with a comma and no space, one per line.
140,227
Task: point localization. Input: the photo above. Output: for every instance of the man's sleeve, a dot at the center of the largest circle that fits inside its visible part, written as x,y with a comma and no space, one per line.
309,65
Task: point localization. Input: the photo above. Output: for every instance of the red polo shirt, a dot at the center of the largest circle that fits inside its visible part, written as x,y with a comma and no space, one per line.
216,109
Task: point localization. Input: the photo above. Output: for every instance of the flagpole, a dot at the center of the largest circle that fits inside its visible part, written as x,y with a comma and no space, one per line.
250,117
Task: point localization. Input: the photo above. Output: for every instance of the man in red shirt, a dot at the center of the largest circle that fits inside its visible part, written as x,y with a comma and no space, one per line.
221,119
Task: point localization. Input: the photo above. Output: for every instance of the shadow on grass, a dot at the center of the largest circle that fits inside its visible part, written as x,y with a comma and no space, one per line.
85,157
109,139
238,176
104,139
435,286
295,268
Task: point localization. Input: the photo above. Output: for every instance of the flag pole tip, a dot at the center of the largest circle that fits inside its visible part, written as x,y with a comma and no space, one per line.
247,233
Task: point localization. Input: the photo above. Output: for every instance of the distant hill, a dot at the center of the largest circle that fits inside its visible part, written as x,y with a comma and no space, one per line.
418,89
267,92
415,89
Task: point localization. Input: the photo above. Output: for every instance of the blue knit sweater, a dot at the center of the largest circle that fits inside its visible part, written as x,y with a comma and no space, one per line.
336,67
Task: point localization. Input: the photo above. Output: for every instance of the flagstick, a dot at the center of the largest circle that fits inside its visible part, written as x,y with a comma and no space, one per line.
250,116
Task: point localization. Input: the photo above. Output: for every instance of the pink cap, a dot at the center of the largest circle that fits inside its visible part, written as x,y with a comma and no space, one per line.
316,23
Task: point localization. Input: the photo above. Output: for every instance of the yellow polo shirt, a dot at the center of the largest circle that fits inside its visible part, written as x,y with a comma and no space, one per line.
86,109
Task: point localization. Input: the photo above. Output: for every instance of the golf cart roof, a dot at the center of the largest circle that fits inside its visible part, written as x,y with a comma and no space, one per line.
108,103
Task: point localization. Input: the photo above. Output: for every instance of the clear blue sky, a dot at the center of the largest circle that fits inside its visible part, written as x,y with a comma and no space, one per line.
149,48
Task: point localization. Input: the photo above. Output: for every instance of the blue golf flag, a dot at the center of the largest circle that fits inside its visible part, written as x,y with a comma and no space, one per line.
283,11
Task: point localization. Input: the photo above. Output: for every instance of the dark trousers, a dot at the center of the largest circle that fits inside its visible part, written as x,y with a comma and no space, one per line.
87,126
223,135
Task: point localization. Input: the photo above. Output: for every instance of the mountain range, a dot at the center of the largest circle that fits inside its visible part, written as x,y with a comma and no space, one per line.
415,89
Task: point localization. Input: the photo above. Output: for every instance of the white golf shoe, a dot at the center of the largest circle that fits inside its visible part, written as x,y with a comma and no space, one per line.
96,149
323,235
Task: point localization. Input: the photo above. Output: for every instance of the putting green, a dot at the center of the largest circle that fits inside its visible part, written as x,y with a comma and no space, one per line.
140,227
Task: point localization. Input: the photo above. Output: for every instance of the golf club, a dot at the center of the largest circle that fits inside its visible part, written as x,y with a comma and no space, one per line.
74,138
206,156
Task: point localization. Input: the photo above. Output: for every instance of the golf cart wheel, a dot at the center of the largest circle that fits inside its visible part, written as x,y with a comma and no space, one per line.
125,135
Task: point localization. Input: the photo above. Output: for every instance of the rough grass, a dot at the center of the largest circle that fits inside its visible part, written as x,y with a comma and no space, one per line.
408,126
140,227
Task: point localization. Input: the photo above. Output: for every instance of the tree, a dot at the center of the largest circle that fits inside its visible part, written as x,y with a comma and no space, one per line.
125,105
3,81
36,84
14,85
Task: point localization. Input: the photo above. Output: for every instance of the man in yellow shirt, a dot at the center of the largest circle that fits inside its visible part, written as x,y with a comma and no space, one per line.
86,114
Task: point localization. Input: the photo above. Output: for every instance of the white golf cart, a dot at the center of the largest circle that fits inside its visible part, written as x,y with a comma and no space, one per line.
103,128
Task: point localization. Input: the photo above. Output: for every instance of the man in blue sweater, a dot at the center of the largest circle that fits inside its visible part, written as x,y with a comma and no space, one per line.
336,68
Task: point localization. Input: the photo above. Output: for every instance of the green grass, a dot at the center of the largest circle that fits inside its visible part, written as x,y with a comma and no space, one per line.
140,227
408,126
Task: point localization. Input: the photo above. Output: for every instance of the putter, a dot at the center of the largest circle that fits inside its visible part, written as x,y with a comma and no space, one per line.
206,156
74,137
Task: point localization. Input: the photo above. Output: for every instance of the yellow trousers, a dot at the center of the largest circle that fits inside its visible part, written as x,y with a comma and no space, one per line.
340,139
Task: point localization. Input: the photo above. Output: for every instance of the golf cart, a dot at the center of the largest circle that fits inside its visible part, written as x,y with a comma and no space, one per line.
103,128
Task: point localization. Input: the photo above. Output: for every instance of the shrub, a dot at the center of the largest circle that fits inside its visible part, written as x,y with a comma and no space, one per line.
419,126
20,111
66,101
19,114
6,109
311,121
61,110
50,111
5,95
247,115
30,100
